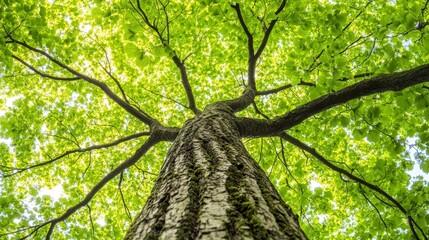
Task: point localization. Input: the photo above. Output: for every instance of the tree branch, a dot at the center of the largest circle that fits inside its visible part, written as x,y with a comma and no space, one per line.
166,97
251,60
15,171
424,8
373,187
362,75
124,165
276,90
383,83
362,191
249,94
126,106
44,74
268,31
127,210
90,219
250,47
185,82
180,64
315,62
109,72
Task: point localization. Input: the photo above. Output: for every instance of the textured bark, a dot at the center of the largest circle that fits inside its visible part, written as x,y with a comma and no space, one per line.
392,82
210,188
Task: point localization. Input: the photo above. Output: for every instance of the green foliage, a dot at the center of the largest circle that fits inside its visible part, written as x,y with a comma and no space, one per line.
380,138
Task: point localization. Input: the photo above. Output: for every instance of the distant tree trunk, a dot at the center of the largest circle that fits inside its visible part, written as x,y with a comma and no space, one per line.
210,188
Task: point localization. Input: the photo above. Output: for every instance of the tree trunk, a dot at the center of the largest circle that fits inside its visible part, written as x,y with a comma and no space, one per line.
210,188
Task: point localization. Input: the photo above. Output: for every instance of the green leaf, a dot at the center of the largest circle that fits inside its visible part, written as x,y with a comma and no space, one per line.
344,121
420,101
357,134
425,166
42,12
403,102
373,136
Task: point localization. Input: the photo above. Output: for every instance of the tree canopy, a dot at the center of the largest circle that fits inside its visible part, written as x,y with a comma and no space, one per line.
339,85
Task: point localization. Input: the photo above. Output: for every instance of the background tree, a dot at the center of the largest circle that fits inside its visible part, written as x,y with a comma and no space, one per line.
329,98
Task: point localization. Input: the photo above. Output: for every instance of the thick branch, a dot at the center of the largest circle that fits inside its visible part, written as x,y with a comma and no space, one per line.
392,82
242,102
15,170
130,109
124,165
373,187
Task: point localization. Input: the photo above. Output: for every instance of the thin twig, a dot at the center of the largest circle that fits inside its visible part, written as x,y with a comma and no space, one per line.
44,74
127,211
276,90
78,150
109,72
90,219
362,191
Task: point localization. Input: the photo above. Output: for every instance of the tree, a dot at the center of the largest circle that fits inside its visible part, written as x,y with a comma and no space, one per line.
235,113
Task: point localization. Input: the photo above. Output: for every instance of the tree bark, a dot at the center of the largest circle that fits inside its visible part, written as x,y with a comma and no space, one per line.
210,188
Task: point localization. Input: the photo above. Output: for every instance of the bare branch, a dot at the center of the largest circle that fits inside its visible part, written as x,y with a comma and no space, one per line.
258,111
287,167
373,187
167,22
124,165
144,16
350,23
15,170
124,96
355,43
265,39
9,33
126,106
74,140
